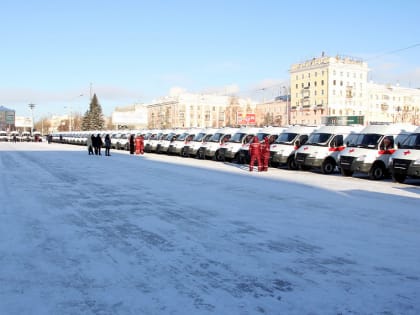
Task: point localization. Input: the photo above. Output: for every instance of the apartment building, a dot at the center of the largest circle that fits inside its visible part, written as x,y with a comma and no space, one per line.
188,110
327,86
392,103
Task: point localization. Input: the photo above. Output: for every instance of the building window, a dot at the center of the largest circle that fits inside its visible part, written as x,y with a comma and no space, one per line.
334,82
341,83
316,73
297,86
309,75
334,73
315,83
322,82
322,92
297,77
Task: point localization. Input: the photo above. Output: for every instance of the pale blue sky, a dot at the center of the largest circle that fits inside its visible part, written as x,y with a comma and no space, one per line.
135,51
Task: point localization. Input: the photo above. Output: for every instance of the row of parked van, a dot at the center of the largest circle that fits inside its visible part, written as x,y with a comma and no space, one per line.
377,150
24,136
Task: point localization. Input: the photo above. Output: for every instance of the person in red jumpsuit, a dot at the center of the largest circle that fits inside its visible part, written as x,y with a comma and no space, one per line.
139,144
255,154
265,154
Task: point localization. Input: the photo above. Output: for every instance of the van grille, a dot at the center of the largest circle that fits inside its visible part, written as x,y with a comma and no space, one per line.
346,161
301,157
401,164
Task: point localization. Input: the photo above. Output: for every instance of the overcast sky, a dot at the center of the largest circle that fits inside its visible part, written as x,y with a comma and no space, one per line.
135,51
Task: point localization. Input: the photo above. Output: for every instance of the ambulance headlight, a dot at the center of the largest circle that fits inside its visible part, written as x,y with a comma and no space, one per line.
361,158
416,162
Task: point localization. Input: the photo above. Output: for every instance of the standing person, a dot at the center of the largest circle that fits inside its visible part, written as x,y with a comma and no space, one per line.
99,143
139,144
265,153
131,144
107,145
89,145
255,154
94,144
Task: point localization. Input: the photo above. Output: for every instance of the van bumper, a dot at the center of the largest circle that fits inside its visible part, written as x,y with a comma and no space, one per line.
278,158
405,167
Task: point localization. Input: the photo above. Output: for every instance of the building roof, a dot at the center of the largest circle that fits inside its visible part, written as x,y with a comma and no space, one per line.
4,109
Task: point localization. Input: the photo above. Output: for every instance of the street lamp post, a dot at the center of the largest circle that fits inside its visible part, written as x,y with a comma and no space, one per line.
32,106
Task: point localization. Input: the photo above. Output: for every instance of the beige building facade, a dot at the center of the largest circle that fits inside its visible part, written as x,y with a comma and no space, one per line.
329,89
327,86
189,110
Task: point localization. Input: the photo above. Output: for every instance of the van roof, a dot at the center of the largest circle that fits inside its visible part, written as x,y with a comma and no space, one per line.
389,129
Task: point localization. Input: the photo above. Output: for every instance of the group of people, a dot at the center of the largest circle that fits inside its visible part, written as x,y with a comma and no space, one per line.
260,153
136,144
95,144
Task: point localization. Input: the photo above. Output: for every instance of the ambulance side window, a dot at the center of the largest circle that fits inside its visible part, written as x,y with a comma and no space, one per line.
337,141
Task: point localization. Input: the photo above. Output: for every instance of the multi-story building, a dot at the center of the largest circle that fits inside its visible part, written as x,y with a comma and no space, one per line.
327,86
388,103
188,110
132,117
273,113
7,119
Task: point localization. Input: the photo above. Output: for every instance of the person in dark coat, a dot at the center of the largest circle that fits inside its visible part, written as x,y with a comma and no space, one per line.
255,154
131,144
94,144
99,144
265,154
107,145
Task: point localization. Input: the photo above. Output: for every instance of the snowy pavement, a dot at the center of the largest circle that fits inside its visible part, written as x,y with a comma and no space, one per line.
159,234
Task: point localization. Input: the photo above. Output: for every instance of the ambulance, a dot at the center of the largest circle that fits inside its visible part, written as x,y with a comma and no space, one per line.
211,148
229,150
405,162
323,146
178,146
192,148
371,151
282,151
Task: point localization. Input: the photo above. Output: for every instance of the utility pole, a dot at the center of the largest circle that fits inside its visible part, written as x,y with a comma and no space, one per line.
32,106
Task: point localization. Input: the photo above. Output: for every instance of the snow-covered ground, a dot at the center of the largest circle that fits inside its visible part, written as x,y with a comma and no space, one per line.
159,234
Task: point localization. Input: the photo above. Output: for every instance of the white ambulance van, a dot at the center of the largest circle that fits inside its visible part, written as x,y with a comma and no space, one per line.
405,162
178,145
192,148
282,151
323,146
371,150
229,150
211,148
151,140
